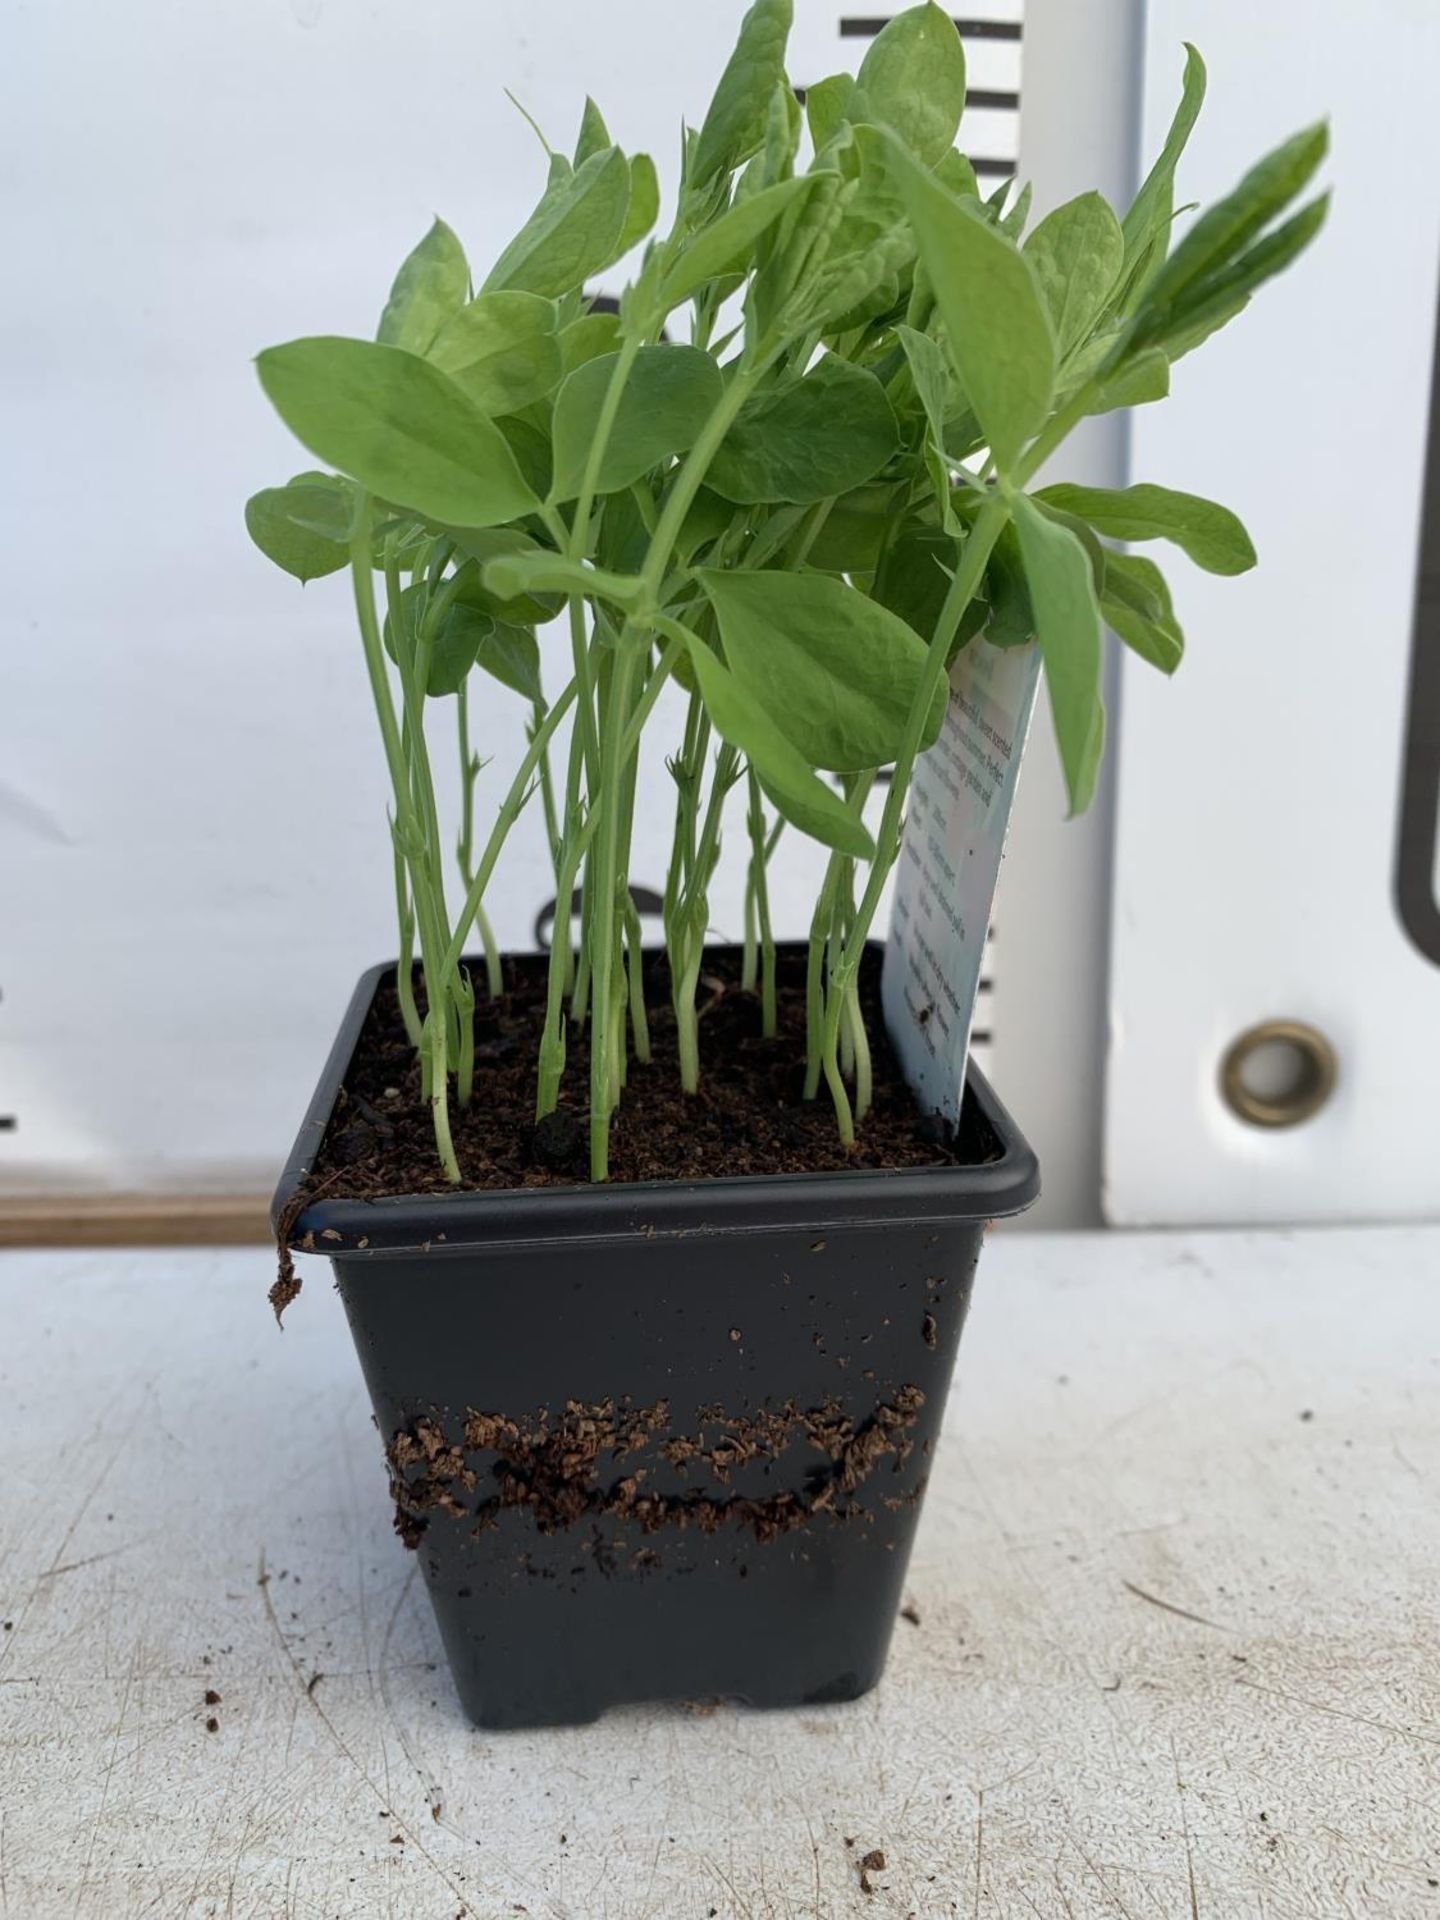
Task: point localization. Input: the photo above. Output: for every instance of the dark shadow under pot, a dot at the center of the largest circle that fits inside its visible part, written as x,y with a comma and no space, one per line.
668,1440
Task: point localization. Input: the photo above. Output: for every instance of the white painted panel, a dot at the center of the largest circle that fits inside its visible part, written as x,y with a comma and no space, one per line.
1259,793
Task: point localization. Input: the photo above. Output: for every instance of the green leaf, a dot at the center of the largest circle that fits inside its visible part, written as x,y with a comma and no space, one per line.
529,443
913,79
594,135
622,539
802,239
502,350
934,383
1085,534
1206,307
643,206
1181,337
836,671
727,244
323,502
432,284
708,517
1011,620
803,798
776,159
1067,626
734,124
1077,253
956,173
513,574
1212,536
827,107
807,440
572,233
399,426
454,649
1153,207
855,530
914,576
670,394
469,635
858,282
997,327
1012,224
1136,382
1225,229
930,371
587,338
1135,603
272,519
482,544
510,655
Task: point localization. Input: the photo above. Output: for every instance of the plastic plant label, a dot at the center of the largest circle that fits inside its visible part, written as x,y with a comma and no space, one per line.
959,813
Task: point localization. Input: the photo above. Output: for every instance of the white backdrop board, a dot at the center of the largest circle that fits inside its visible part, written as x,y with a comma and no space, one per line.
1260,796
192,838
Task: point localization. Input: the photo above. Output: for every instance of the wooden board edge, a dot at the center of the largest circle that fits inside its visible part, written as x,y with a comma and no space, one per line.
134,1220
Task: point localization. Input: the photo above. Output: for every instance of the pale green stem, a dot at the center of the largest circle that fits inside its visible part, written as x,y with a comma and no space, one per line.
639,1022
469,771
694,918
465,1053
510,809
552,1046
758,901
405,966
601,940
860,1050
405,823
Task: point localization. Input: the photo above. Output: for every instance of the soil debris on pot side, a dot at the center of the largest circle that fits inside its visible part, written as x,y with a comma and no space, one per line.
595,1461
748,1118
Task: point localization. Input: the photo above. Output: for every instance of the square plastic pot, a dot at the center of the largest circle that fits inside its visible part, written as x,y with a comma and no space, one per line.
666,1440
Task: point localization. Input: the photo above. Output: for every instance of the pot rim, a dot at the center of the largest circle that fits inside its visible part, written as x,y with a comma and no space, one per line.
475,1220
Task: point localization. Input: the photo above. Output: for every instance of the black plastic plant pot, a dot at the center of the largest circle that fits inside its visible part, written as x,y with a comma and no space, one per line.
662,1441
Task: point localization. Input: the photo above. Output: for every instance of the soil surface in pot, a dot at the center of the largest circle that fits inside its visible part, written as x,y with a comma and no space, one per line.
749,1116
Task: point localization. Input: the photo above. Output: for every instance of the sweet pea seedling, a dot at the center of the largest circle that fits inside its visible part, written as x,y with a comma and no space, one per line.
799,513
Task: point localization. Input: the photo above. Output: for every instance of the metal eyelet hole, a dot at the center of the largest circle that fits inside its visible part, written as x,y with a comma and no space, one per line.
1278,1074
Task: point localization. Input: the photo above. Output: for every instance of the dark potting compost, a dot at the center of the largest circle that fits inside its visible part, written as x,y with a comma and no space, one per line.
747,1118
667,1437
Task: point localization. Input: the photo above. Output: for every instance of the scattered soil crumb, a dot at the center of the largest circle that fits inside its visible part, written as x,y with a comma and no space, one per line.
313,1682
212,1725
930,1332
912,1614
212,1698
868,1863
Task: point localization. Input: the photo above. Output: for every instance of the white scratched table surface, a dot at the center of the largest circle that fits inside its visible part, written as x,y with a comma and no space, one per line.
1177,1651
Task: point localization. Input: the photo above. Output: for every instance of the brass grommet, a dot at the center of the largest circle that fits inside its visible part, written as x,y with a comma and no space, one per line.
1315,1071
